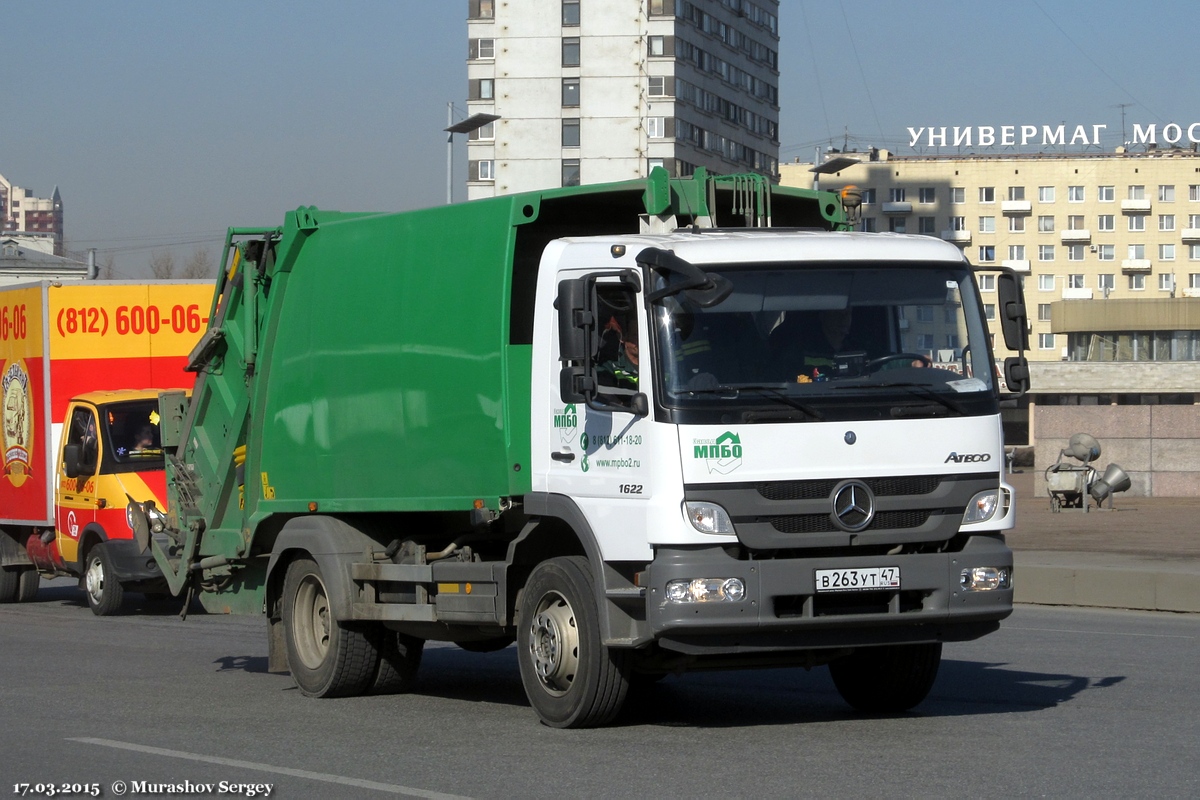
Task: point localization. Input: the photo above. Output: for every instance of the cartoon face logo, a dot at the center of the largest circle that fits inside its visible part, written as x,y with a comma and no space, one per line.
18,422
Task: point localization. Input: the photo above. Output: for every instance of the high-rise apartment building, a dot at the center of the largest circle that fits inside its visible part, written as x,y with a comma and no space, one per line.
589,91
37,217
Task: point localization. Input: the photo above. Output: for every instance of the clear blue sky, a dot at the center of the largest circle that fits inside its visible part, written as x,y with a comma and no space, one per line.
163,123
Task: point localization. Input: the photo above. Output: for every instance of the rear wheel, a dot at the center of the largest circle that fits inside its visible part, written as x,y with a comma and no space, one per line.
10,581
28,585
571,679
104,592
887,680
327,658
399,660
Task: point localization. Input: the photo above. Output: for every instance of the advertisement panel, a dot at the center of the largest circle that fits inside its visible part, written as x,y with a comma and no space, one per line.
25,434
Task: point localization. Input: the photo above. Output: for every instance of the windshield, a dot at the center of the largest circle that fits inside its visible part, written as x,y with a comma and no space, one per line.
830,341
131,430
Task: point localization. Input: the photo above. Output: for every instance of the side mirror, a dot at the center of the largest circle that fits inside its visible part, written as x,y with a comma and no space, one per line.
573,322
1016,374
1012,312
72,464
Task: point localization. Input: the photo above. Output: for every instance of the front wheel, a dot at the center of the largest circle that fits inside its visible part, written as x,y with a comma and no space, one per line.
104,592
889,679
571,679
327,658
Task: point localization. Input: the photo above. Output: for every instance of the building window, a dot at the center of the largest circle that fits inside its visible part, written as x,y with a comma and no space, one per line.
924,341
1016,224
1075,252
1045,194
481,49
987,253
1106,222
481,9
1046,224
1016,252
896,195
1137,222
570,132
1045,252
657,46
1076,282
484,133
1046,283
1166,281
1194,280
925,225
1137,282
1194,192
1075,222
897,224
1137,192
570,172
987,194
1105,194
927,194
1137,252
570,13
481,89
989,311
987,283
1166,252
1045,341
570,92
958,195
987,224
1075,194
869,225
924,313
868,197
570,51
1106,281
655,129
1194,221
660,86
481,170
661,8
1043,312
1166,194
1166,222
1194,252
1107,252
1016,193
958,223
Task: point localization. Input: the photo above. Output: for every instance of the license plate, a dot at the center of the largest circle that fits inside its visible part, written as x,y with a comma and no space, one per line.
861,579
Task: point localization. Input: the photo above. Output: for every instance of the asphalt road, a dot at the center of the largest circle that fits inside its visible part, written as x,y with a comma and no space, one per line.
1060,702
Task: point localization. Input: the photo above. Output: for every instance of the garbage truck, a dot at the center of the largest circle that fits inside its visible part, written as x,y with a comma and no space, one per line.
77,443
635,428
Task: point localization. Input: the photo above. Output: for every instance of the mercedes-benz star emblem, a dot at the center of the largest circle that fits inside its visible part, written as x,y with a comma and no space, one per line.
853,506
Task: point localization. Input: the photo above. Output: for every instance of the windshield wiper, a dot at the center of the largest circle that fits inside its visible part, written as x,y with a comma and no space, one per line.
917,389
772,392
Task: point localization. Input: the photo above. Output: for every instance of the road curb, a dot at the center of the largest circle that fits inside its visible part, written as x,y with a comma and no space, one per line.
1142,584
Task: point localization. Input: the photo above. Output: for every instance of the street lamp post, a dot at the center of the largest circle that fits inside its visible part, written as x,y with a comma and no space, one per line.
471,123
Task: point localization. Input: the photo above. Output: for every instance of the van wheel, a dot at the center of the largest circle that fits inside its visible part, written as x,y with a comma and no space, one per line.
327,658
887,680
29,582
104,592
10,580
570,678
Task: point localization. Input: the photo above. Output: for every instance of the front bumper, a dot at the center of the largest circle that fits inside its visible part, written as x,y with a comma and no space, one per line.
782,611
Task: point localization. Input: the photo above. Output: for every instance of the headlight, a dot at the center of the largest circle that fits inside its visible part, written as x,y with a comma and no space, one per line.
706,590
985,579
708,517
982,506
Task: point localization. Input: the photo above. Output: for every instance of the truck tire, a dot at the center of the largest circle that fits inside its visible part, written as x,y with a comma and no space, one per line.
571,679
327,658
887,680
399,660
28,585
104,592
10,581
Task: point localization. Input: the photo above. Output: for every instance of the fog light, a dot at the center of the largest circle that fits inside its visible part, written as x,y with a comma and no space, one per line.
982,506
708,517
706,590
985,579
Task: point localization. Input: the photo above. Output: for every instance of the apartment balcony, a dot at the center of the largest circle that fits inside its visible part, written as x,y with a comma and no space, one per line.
957,237
1016,265
1076,294
1135,206
1016,206
897,208
1135,266
1078,236
1191,234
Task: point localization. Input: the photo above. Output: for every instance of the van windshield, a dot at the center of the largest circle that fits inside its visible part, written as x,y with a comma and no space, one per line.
132,438
829,341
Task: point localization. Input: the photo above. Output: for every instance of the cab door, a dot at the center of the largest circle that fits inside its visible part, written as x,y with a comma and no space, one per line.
78,463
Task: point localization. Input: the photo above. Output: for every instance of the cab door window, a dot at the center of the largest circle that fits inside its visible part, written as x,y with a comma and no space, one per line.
83,441
615,355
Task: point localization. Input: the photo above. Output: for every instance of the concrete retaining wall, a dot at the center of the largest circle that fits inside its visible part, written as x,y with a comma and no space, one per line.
1158,446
